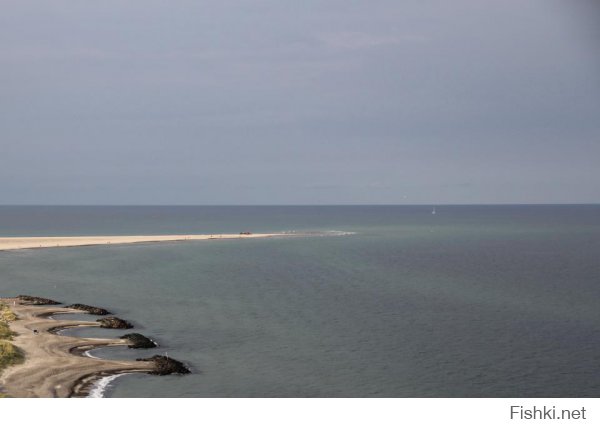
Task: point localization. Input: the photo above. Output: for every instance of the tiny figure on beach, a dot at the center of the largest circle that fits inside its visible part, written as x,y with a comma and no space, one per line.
35,332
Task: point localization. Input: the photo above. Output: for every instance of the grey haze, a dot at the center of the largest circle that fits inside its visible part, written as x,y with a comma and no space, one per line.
303,102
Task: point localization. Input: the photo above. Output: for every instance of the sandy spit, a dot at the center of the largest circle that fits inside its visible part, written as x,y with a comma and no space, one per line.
20,243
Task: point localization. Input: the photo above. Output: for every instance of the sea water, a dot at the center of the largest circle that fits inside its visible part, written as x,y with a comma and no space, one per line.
472,301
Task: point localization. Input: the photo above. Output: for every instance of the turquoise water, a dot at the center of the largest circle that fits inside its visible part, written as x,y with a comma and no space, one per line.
475,301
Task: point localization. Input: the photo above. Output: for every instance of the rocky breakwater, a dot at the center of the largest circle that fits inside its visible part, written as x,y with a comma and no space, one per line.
114,322
38,301
89,309
139,341
165,365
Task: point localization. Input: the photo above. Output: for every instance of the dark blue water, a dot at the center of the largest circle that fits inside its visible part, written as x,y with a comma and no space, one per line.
474,301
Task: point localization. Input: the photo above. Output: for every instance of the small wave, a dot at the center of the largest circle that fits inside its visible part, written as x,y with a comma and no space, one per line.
339,233
87,354
319,232
101,384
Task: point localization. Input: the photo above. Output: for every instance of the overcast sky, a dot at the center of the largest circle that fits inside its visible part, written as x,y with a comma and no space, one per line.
299,102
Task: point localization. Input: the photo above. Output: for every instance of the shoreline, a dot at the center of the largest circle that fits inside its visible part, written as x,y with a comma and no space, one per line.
99,386
36,242
55,365
86,386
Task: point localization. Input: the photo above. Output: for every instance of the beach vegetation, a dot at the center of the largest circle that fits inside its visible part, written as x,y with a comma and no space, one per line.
5,332
6,316
9,354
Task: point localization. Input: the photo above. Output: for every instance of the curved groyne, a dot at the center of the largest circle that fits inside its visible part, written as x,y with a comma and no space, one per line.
60,366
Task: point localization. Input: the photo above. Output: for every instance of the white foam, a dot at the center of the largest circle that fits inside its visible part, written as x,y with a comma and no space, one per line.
101,384
339,233
319,233
87,354
328,233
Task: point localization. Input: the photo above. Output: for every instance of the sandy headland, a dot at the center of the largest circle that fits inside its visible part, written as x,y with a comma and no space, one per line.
58,366
21,243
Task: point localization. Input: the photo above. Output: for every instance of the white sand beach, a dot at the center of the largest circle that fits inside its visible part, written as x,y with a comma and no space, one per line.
20,243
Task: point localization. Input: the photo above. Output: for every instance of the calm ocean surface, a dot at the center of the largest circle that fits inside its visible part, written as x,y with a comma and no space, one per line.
491,301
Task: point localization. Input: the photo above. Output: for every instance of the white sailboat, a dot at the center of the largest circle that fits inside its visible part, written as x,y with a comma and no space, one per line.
433,212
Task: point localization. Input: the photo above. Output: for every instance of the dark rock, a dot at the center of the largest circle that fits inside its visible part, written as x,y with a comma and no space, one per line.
32,300
165,365
139,341
89,309
114,322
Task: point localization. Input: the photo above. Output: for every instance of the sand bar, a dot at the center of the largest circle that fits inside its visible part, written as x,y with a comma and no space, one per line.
21,243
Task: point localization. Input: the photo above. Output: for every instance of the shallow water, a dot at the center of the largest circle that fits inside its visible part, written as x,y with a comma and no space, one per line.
473,301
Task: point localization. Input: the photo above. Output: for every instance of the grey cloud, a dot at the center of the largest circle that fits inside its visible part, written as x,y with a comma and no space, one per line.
345,102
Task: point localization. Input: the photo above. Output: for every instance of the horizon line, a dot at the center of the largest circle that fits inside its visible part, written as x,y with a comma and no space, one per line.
307,205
